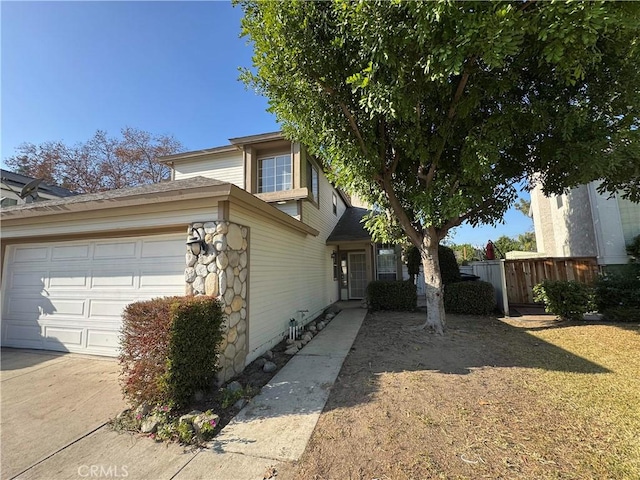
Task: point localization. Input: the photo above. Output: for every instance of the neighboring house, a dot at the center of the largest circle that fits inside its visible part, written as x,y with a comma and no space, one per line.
585,223
282,243
11,185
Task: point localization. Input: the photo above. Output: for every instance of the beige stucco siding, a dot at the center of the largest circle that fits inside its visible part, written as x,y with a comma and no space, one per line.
227,167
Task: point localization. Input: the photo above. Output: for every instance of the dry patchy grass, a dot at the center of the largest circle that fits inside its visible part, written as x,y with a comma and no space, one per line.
490,399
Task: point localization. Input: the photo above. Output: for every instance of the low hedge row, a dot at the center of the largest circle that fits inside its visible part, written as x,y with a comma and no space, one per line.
169,349
390,295
471,298
617,294
569,300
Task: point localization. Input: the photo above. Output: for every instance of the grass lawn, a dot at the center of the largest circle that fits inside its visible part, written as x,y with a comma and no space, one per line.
491,399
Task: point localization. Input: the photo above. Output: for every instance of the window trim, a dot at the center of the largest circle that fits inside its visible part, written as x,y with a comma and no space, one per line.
274,157
334,199
314,193
380,248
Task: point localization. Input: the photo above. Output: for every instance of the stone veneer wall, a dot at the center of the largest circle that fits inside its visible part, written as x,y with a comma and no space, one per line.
222,272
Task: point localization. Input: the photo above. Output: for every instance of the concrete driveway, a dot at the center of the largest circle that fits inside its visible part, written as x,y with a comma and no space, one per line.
50,400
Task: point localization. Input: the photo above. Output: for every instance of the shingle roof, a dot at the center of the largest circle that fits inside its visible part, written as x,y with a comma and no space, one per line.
350,227
19,180
143,190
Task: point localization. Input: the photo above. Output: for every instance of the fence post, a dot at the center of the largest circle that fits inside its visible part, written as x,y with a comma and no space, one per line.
503,285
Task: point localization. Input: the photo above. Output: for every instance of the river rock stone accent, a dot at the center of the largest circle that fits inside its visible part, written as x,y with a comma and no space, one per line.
222,271
310,330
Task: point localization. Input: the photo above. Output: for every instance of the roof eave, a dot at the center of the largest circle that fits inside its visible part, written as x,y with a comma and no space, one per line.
195,154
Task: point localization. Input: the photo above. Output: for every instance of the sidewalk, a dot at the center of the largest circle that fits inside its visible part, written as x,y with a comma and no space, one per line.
274,427
277,423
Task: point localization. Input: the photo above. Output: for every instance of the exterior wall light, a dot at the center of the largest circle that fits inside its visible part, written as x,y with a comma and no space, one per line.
195,242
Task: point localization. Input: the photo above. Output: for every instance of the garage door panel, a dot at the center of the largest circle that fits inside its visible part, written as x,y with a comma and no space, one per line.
74,252
110,280
68,307
21,335
30,254
107,308
115,250
26,306
28,280
70,296
68,279
103,339
158,248
160,278
71,337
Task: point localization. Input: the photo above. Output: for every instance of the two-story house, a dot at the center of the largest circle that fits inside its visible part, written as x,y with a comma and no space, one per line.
585,223
279,242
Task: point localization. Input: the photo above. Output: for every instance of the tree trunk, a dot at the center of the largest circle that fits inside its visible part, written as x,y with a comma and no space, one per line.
433,284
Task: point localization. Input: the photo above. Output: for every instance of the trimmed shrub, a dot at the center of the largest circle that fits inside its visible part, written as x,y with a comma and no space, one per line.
398,295
617,295
567,299
449,269
472,298
413,261
169,349
633,248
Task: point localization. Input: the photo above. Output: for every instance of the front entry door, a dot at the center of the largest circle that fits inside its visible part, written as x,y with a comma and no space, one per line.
357,274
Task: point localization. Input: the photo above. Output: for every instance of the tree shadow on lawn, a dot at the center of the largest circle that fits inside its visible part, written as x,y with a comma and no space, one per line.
385,344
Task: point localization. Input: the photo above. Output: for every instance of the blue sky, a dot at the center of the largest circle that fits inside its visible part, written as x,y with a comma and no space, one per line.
71,68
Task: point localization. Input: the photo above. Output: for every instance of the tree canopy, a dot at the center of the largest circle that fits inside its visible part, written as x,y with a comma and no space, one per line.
100,163
434,111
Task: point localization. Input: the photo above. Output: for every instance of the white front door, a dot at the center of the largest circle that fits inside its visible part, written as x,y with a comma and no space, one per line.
357,274
69,296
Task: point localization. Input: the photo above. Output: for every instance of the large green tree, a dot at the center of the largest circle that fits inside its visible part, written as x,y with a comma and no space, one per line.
434,111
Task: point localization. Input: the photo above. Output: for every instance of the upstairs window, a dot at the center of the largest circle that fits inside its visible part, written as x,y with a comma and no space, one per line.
312,179
335,204
274,174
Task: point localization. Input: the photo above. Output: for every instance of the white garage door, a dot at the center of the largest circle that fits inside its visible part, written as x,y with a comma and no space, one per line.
69,296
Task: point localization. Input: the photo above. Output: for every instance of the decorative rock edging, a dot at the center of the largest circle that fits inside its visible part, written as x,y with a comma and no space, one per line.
221,271
310,330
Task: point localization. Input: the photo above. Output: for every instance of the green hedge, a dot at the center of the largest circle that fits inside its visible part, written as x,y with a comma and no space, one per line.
449,269
169,349
617,295
398,295
472,298
567,299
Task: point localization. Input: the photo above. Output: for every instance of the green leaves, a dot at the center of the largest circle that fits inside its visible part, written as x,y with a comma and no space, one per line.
434,110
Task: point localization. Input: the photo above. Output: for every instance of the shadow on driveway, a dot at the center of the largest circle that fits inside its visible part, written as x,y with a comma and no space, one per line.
50,400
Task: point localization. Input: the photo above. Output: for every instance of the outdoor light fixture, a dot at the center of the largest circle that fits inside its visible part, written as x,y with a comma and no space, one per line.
334,254
195,242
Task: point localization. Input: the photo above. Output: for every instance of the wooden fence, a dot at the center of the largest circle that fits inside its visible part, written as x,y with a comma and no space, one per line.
523,274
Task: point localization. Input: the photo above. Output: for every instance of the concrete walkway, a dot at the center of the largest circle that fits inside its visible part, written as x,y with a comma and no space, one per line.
274,427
